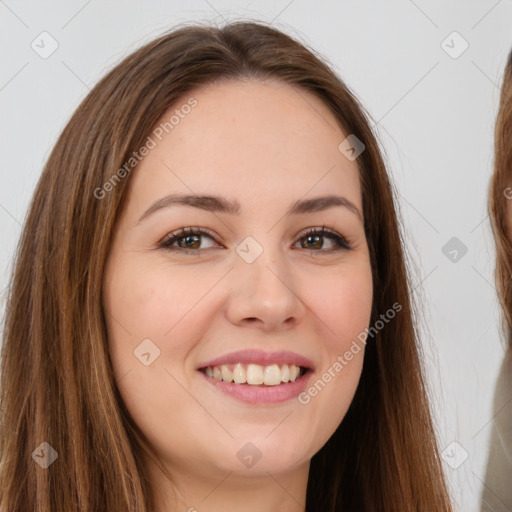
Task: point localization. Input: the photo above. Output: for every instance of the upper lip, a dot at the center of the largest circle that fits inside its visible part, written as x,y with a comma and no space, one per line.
260,357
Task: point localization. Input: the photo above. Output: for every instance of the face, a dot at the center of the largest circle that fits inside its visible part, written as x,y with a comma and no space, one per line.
245,292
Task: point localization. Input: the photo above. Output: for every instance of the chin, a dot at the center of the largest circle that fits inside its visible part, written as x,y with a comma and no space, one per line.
260,454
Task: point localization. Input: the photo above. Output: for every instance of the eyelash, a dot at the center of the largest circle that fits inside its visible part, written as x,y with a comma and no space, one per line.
342,243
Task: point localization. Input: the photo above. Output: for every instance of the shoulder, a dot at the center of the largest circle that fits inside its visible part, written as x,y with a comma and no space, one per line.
503,404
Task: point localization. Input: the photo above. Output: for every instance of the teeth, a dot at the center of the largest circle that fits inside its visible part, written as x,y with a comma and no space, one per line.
272,375
254,374
227,376
239,375
285,373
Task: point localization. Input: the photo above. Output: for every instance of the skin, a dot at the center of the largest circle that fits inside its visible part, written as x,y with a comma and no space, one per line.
266,145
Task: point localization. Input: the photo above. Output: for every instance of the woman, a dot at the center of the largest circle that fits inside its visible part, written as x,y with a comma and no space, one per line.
143,370
497,491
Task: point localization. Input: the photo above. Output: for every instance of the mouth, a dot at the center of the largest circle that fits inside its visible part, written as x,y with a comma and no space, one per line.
251,374
258,377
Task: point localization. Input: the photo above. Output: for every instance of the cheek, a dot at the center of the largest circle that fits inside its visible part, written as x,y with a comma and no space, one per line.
342,302
153,302
147,299
343,305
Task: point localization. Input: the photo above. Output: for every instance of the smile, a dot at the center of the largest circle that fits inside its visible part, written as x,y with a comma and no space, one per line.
255,374
258,377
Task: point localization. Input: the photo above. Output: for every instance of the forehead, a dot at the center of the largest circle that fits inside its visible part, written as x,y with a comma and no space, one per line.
244,137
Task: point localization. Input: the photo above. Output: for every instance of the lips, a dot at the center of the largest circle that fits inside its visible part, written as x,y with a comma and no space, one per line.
256,376
259,357
259,377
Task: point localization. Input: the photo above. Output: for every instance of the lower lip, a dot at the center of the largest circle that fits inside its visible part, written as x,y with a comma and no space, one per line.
261,394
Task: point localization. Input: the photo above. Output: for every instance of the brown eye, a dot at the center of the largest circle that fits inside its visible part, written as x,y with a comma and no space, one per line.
188,239
313,240
189,242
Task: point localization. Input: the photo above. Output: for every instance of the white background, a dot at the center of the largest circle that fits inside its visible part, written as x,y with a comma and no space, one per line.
435,119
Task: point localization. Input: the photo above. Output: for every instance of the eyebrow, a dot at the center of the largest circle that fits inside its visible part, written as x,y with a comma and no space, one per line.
218,204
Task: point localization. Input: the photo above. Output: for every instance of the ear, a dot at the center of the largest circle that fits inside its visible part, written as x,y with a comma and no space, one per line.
507,221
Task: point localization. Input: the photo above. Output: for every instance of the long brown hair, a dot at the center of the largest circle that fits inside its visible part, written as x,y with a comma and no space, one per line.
57,382
500,194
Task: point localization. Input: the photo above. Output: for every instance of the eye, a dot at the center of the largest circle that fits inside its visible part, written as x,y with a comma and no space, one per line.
186,238
189,240
313,239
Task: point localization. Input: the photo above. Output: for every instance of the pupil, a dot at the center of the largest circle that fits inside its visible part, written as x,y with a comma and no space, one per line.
311,238
189,238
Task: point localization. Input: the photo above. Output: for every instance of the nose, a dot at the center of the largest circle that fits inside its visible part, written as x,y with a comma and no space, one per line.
264,294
